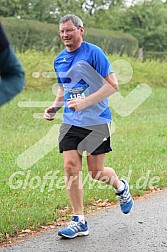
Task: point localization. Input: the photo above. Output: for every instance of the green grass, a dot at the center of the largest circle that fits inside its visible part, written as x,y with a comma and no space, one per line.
139,153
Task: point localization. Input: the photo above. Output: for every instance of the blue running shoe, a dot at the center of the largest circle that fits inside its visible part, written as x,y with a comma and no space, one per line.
75,228
125,199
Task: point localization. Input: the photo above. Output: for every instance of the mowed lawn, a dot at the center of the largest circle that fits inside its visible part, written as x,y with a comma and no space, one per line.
32,187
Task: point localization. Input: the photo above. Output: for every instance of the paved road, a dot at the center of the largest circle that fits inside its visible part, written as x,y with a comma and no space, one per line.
144,230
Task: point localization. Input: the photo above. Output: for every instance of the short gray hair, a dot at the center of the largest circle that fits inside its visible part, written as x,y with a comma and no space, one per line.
75,20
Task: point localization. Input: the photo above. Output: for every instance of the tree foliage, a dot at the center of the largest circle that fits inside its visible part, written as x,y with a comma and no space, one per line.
147,21
144,19
49,10
41,10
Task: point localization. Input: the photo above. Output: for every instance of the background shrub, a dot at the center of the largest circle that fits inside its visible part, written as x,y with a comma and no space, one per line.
28,34
112,41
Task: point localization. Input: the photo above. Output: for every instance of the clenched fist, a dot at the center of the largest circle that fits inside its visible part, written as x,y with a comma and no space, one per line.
50,113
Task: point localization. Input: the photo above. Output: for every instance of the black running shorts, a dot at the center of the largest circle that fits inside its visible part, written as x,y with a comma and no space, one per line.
93,139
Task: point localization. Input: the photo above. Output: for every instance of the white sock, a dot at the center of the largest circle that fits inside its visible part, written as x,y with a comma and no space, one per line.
81,217
121,187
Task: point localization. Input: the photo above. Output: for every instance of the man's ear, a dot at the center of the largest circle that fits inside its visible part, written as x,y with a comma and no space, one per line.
82,30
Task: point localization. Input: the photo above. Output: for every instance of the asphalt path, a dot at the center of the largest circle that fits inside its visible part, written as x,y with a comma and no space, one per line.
143,230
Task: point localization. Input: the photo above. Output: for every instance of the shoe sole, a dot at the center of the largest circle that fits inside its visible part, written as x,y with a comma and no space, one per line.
75,235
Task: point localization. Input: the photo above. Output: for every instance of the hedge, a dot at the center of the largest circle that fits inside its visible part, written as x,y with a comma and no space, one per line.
28,34
112,41
156,40
155,55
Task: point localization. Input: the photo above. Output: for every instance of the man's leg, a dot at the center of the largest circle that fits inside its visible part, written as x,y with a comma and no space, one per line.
99,172
108,175
72,169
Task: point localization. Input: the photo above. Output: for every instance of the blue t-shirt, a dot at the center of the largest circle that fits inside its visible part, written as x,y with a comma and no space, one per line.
81,73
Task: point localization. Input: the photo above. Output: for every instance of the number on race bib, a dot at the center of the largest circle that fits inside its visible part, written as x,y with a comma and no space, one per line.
72,96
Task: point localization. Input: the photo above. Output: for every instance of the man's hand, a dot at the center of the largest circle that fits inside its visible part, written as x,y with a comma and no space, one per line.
77,104
50,113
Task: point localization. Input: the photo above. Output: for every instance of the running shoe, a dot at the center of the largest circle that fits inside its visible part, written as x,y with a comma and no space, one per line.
125,199
74,228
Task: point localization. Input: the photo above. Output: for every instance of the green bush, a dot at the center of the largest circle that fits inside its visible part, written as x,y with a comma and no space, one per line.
28,34
156,40
112,41
155,55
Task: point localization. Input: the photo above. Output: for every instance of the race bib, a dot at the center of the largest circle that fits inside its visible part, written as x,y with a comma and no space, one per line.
78,91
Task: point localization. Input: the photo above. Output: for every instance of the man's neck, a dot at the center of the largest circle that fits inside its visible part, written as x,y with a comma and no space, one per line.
72,48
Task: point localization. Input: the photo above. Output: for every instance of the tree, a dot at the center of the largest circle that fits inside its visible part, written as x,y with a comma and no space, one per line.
51,10
145,19
42,10
64,7
9,8
92,6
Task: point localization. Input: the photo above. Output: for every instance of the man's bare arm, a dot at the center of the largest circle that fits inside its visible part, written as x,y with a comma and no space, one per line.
57,104
110,87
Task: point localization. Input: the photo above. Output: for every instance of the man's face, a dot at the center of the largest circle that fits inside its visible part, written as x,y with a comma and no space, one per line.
71,35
